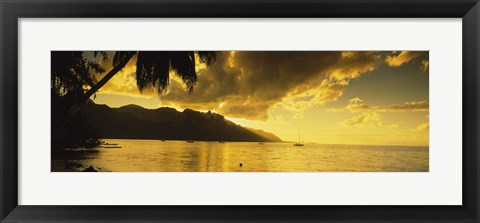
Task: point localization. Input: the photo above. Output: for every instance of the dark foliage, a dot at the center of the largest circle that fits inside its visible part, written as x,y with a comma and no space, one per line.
77,133
73,82
71,75
154,67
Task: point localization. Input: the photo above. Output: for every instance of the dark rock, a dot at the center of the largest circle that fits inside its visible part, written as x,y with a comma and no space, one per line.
72,165
90,169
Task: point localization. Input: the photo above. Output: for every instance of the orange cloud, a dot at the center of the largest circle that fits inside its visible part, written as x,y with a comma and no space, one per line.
396,59
407,106
422,127
368,119
425,65
357,104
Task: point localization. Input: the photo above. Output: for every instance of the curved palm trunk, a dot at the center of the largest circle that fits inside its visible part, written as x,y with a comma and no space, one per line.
75,107
105,79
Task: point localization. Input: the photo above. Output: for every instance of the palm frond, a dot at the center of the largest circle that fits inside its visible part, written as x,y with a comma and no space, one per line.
154,67
71,72
207,57
153,70
183,63
103,55
119,56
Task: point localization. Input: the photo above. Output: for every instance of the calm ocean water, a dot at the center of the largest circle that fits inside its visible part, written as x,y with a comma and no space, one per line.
180,156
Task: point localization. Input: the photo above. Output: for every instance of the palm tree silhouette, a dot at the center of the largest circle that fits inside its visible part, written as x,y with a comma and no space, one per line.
70,72
153,72
153,69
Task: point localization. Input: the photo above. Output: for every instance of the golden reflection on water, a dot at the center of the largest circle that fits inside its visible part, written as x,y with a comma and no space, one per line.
180,156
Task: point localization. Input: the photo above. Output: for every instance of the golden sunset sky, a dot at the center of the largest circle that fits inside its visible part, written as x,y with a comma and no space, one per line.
332,97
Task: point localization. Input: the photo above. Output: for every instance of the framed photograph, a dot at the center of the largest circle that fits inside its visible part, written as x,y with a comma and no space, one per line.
228,111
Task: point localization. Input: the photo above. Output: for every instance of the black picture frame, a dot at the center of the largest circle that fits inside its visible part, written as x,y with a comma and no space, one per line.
12,10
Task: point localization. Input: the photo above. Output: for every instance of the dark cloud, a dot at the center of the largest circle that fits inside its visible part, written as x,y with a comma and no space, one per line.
246,84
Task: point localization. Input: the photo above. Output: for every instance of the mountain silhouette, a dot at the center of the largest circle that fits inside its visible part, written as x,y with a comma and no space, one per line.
136,122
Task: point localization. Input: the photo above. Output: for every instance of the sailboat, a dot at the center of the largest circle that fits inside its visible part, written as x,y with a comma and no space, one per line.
221,141
190,140
299,143
163,135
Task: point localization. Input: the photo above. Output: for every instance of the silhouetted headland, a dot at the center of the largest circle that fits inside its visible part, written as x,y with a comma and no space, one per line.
135,122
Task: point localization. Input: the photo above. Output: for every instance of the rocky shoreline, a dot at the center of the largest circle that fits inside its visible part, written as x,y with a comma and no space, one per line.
72,166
